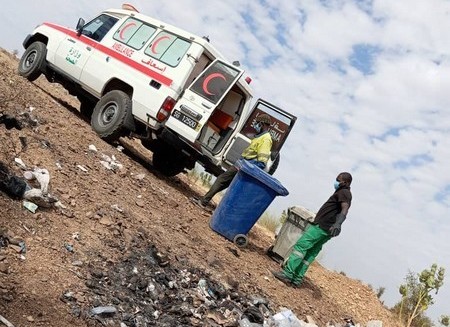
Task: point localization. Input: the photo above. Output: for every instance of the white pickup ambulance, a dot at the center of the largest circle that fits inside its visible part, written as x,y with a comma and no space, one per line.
135,75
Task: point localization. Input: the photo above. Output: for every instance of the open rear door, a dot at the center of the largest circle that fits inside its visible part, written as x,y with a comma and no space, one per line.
282,123
199,100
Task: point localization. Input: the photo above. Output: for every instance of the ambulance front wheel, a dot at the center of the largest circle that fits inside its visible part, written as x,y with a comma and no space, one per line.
32,61
240,240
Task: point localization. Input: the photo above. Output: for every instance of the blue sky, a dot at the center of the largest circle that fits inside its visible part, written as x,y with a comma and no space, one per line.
369,83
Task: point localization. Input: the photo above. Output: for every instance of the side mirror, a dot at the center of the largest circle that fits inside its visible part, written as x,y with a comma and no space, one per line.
80,26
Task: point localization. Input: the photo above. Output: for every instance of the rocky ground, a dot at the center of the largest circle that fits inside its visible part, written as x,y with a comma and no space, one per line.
129,239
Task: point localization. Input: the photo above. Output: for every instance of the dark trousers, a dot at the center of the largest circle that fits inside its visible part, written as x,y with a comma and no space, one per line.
222,182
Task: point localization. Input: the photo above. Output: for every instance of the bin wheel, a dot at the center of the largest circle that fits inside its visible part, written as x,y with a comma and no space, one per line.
240,240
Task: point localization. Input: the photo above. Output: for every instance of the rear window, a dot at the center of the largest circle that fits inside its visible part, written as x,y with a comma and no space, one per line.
167,48
215,81
134,33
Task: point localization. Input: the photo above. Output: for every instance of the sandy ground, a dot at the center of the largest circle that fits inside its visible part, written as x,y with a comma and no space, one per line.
111,214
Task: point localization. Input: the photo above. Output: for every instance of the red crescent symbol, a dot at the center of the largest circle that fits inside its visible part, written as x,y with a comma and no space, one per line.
127,26
155,44
208,79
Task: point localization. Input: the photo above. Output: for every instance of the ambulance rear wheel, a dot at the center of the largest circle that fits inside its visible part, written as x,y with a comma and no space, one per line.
240,240
110,114
168,161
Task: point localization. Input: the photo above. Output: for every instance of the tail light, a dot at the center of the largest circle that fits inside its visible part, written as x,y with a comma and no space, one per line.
165,110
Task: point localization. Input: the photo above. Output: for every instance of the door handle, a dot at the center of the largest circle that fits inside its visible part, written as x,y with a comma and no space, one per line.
71,40
88,48
206,105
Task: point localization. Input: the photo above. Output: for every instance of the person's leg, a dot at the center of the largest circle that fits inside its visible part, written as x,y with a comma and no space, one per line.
221,183
310,256
295,263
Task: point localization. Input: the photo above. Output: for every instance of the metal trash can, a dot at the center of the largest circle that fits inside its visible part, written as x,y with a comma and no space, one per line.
298,219
248,196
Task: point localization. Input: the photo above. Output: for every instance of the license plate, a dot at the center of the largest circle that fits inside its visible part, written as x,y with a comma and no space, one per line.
185,119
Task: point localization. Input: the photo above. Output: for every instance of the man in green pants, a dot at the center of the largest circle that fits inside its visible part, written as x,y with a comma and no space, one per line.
326,225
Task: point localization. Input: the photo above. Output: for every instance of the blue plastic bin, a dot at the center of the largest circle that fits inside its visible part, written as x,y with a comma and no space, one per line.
248,196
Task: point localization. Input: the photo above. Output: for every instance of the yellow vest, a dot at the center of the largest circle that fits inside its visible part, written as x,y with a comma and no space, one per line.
259,148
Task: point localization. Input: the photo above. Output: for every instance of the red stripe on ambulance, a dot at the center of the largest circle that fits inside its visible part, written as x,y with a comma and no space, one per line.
110,52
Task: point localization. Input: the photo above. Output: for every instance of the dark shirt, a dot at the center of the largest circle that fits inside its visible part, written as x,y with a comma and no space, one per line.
326,216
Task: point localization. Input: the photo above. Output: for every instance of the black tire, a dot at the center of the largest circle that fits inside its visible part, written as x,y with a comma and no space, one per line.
110,113
275,164
31,63
240,240
168,161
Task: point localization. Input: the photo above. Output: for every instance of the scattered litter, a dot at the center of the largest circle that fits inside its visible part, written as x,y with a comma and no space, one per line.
120,148
82,168
10,122
139,177
4,240
59,205
32,207
116,207
69,247
43,177
247,323
28,175
58,165
36,196
76,236
287,318
5,322
108,310
92,148
110,163
20,163
40,196
10,184
23,247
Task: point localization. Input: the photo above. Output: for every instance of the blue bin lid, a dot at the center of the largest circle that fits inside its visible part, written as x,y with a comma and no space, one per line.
262,176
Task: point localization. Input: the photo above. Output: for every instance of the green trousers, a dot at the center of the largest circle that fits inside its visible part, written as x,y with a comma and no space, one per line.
304,252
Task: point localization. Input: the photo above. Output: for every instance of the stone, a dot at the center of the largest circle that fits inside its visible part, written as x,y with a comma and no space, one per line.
106,221
4,267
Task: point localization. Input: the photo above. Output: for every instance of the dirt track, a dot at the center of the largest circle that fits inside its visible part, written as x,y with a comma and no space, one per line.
119,214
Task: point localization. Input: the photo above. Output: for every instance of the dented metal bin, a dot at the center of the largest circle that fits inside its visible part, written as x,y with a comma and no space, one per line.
298,219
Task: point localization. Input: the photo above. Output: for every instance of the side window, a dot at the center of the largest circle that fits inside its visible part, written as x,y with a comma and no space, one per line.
134,33
96,29
167,48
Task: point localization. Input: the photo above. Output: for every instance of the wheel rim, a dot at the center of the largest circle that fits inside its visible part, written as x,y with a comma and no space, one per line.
30,59
109,112
240,240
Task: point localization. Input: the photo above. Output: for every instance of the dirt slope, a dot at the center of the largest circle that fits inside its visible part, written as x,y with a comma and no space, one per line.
154,207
